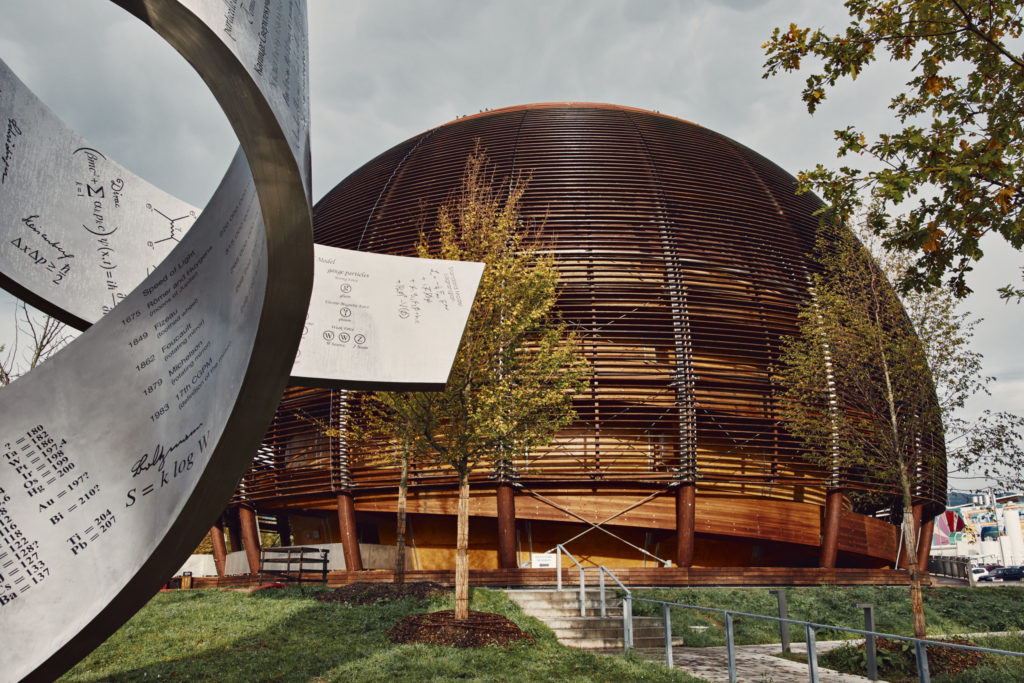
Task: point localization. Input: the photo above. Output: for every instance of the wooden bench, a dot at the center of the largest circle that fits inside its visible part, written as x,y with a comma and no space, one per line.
296,561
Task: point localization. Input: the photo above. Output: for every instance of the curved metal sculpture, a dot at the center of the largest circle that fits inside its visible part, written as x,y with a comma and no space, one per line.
118,452
77,249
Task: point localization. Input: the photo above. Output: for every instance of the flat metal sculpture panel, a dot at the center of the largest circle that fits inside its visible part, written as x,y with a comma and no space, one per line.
117,453
80,242
80,231
379,321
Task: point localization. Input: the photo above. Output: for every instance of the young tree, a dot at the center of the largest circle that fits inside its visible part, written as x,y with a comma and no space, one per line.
989,444
959,146
511,385
36,338
857,389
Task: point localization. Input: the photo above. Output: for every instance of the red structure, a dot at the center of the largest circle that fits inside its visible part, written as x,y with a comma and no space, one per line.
683,260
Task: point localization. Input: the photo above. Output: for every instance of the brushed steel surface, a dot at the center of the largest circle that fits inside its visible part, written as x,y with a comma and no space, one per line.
119,452
80,231
84,232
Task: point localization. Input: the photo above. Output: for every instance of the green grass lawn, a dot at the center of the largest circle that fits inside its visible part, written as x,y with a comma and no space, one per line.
285,635
947,610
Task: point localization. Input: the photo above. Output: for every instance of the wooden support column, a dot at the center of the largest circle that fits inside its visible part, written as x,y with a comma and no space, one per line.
924,543
506,526
830,529
234,530
284,529
904,564
220,551
349,538
686,494
250,537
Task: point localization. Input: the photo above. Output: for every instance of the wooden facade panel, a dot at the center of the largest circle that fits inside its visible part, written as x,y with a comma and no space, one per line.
683,260
514,578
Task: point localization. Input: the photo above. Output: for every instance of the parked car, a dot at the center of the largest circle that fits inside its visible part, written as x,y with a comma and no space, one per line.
1004,574
978,572
996,574
1013,573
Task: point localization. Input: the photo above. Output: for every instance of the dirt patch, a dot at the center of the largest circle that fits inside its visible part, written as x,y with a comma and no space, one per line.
941,660
441,628
896,661
364,593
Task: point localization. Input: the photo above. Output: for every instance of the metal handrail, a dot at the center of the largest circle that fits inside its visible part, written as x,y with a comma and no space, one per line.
558,572
627,599
920,644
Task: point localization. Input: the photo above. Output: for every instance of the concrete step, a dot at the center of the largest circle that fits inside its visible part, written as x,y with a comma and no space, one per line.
537,609
572,637
645,625
560,611
567,593
543,603
610,644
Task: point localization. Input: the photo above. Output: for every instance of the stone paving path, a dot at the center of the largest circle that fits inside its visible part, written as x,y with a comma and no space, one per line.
758,663
754,663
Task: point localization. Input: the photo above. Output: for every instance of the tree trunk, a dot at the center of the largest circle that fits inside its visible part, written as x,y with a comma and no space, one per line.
910,550
462,553
403,491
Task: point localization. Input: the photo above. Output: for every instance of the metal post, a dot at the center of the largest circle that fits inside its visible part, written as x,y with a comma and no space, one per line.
869,641
600,580
558,566
783,614
730,648
921,654
668,635
812,654
583,595
627,622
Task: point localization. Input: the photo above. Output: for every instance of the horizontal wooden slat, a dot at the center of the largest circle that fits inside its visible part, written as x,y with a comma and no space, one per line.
683,260
633,577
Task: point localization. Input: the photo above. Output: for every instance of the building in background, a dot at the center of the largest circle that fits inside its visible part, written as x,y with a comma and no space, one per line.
985,528
683,258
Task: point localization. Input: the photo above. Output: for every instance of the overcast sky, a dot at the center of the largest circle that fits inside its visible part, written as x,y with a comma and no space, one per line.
382,71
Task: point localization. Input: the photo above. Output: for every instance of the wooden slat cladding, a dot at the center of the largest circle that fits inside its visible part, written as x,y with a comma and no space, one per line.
682,258
630,576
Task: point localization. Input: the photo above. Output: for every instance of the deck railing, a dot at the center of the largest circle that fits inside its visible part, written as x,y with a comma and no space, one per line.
810,628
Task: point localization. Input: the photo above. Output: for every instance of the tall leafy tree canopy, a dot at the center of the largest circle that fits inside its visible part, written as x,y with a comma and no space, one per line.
951,171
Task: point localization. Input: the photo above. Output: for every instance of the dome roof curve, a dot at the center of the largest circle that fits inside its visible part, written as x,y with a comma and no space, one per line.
683,258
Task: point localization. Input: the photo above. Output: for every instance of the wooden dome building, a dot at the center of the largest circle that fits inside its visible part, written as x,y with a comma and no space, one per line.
683,258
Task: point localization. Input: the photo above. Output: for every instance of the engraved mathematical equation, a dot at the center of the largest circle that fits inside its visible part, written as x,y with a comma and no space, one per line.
93,190
56,487
161,465
435,288
51,255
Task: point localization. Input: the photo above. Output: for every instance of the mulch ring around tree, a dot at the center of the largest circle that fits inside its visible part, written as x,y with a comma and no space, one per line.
896,661
364,593
941,660
441,628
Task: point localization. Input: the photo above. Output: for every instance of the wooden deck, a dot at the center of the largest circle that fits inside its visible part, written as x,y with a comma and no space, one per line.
635,576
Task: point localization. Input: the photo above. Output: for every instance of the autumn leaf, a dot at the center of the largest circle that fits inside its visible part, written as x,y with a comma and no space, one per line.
1002,198
934,240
